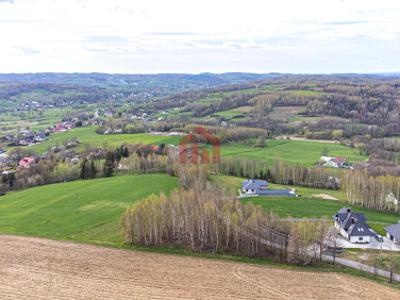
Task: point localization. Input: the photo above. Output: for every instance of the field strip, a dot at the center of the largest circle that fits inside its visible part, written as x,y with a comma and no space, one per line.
35,268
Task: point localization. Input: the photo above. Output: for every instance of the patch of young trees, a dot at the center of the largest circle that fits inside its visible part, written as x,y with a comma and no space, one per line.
379,193
203,217
229,134
281,173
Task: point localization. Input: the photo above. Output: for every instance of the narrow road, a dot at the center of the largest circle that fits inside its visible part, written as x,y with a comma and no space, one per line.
359,266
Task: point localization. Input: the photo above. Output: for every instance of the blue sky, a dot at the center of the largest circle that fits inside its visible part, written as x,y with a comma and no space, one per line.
154,36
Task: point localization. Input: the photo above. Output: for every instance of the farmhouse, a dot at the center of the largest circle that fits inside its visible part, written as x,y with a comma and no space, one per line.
393,233
61,127
334,162
26,162
260,188
352,226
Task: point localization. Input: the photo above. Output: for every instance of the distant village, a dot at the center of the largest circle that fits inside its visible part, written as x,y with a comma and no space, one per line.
29,137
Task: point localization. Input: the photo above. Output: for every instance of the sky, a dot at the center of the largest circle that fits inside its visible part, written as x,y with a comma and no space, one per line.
193,36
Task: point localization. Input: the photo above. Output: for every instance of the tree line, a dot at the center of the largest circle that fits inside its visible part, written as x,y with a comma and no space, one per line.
204,218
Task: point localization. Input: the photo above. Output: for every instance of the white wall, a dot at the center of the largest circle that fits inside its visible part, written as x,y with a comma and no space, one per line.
355,239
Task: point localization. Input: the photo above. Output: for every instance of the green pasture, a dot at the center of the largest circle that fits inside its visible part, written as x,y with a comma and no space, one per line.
84,211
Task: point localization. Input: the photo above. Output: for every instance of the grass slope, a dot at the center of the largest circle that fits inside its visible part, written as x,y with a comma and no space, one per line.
86,211
88,135
302,152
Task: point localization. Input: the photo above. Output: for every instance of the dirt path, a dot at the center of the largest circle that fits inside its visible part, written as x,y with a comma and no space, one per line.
32,268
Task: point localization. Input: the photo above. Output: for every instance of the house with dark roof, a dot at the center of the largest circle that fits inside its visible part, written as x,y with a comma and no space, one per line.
393,233
260,188
353,226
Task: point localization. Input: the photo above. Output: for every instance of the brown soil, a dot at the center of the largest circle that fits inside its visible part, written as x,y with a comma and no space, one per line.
32,268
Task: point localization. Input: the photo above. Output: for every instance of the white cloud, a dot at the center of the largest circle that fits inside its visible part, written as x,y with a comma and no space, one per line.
195,36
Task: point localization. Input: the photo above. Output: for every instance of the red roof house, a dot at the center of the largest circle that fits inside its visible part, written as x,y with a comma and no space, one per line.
26,162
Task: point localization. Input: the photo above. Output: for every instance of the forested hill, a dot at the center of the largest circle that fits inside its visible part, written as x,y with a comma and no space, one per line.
172,81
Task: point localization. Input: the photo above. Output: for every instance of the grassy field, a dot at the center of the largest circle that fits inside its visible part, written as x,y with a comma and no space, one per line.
33,120
310,205
84,211
305,153
234,183
88,135
316,208
302,152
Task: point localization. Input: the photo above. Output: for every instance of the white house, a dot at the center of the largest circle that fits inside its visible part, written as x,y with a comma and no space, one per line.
334,162
352,226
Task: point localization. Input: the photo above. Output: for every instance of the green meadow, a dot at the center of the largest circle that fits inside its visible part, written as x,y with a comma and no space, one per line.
234,183
90,211
318,208
88,135
306,153
84,211
310,205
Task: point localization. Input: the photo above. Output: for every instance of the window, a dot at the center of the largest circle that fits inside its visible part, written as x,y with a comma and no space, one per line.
360,238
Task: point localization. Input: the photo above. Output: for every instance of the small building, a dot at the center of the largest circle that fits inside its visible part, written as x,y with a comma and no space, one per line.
253,186
26,162
334,162
260,188
393,233
353,226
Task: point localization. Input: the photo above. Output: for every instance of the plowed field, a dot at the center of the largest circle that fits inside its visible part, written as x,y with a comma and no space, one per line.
33,268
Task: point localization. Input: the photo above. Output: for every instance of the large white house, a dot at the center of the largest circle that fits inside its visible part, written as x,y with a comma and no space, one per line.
352,226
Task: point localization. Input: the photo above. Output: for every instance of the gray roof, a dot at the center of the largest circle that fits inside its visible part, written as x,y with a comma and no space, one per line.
345,216
254,184
394,230
353,223
276,193
359,229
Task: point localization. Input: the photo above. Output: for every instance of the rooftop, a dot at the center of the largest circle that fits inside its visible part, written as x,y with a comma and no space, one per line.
394,230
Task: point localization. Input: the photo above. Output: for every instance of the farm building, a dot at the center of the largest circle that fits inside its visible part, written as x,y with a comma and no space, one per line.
260,188
353,226
393,233
26,162
334,162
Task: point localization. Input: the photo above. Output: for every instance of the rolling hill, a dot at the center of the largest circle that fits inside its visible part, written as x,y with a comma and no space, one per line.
86,211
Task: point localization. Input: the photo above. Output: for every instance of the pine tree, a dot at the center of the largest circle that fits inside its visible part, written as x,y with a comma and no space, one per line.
92,170
84,169
109,165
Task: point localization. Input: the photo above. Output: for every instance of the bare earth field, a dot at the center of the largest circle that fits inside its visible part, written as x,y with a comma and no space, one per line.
33,268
